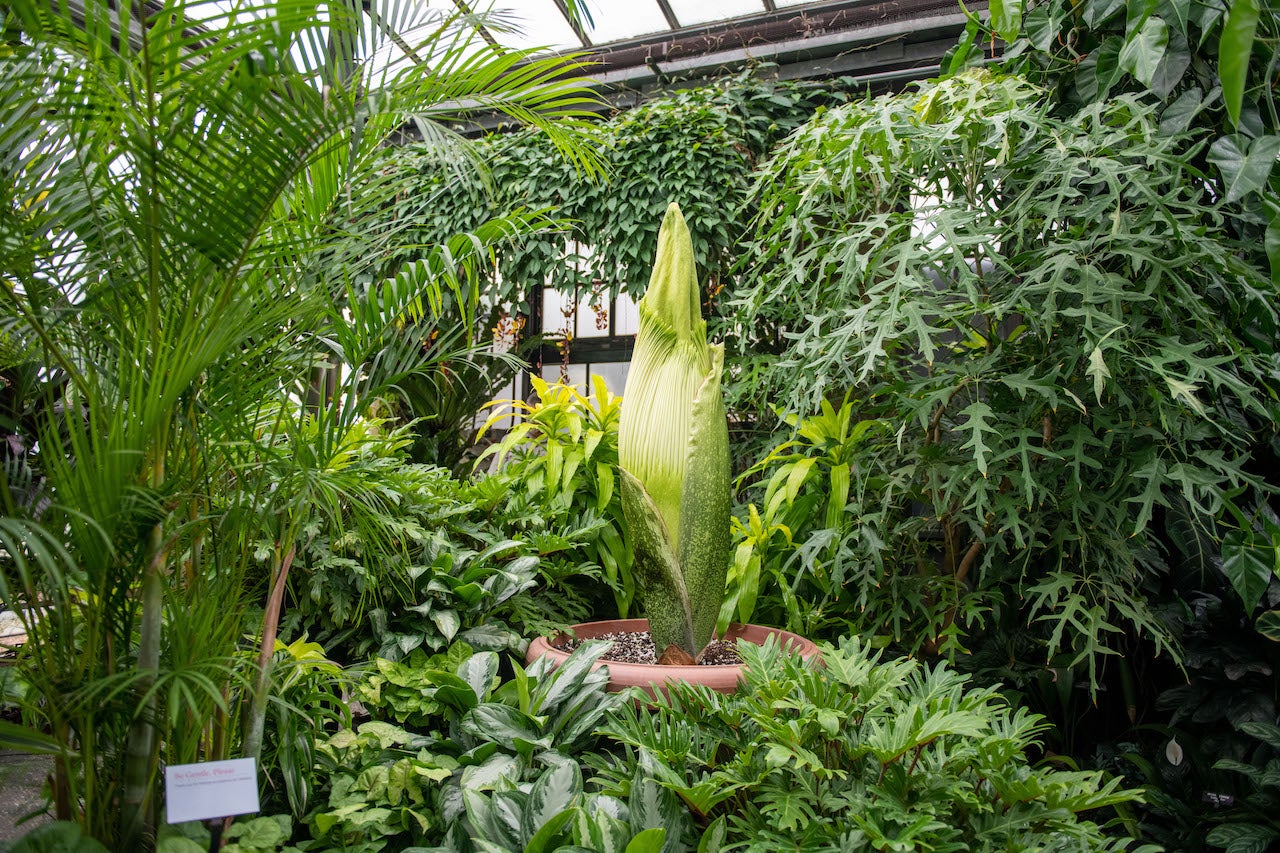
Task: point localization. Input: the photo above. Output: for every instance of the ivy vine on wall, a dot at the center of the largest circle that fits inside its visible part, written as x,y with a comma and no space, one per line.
697,146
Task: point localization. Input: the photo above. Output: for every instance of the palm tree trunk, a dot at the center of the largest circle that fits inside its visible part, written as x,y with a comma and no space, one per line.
136,817
262,681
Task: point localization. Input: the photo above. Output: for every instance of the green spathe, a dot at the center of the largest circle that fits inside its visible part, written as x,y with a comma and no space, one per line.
674,452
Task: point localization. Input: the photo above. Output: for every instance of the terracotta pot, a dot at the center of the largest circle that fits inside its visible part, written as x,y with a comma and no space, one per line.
724,679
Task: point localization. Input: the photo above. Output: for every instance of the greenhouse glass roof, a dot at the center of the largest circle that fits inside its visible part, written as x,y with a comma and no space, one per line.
638,44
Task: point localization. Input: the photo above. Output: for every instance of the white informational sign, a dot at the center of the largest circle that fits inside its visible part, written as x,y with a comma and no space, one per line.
210,789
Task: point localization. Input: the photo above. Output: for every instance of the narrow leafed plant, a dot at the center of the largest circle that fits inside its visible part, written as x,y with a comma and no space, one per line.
673,450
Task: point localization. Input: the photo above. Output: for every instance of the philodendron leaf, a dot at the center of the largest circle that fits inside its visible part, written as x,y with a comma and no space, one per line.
1248,565
1245,164
1006,18
1144,49
1268,625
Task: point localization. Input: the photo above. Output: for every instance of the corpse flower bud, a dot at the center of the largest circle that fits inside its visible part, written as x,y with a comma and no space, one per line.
673,447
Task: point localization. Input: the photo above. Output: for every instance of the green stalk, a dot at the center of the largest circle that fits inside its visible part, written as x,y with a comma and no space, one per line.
256,723
139,768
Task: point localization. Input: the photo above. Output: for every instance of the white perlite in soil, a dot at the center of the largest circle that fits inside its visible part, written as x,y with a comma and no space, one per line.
637,647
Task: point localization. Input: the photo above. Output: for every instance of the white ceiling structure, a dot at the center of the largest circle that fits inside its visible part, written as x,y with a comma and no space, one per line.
640,44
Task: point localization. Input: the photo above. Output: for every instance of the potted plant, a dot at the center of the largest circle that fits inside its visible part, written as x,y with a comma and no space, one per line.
673,452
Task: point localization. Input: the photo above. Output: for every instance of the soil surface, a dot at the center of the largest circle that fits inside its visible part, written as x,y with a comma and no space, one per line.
637,647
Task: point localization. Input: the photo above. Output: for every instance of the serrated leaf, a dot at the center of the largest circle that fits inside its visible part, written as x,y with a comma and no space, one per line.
1098,370
1186,392
977,414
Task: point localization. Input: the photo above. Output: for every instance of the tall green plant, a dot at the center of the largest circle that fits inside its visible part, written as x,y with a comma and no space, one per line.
1059,335
175,182
673,451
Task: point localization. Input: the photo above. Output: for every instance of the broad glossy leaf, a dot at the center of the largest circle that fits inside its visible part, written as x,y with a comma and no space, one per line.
1268,625
486,825
1043,23
1245,164
1248,564
1099,70
1177,117
550,798
653,806
648,841
1144,50
714,837
478,671
501,724
1268,733
1006,18
1235,44
1099,11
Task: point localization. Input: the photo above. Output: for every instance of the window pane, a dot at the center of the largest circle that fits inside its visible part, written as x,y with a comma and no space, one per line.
625,20
539,22
593,320
690,12
574,374
553,320
627,321
614,374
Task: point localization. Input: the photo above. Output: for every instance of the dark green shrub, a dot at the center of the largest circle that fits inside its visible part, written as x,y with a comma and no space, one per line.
860,754
1054,336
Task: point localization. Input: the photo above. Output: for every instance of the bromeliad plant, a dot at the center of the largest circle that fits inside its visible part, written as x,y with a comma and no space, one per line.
673,450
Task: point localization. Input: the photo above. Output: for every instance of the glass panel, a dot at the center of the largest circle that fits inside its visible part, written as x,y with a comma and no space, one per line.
506,392
538,24
593,320
781,3
627,321
625,20
554,321
691,12
575,374
614,374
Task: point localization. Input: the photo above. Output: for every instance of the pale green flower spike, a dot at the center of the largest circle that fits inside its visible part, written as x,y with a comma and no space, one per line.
673,446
